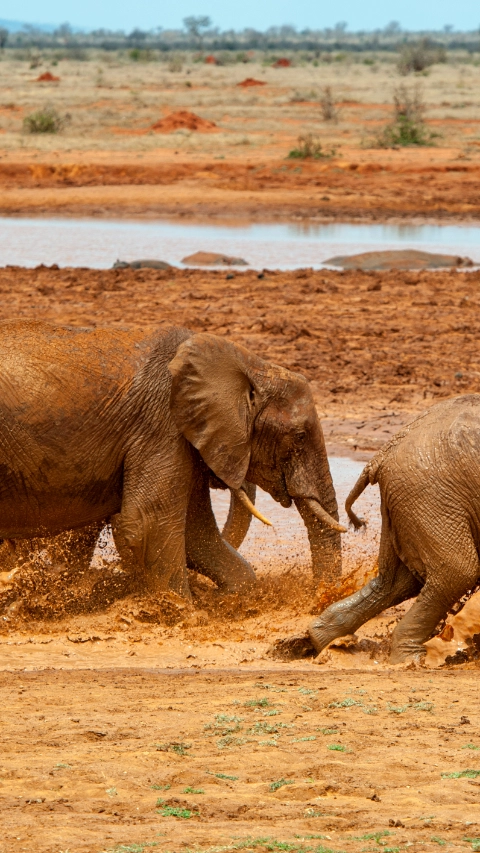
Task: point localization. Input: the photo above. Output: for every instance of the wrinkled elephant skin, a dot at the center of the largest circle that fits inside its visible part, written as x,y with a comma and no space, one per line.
429,480
107,424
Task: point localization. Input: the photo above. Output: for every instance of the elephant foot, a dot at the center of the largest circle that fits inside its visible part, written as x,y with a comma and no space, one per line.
321,633
407,652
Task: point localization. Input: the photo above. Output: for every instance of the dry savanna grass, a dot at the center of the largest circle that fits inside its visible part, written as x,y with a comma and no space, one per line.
114,102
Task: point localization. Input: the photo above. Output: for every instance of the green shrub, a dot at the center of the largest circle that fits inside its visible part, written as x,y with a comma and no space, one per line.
408,126
46,120
309,148
418,57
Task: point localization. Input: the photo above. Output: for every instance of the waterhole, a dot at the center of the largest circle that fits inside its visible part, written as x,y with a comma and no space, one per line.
99,243
285,544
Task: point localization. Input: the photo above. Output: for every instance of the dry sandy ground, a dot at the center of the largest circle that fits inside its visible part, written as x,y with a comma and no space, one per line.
108,160
297,759
135,729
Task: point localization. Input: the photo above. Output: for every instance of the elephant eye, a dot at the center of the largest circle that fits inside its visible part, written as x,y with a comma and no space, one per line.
252,395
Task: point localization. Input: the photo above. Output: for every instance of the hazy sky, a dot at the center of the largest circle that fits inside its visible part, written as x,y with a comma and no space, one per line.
126,14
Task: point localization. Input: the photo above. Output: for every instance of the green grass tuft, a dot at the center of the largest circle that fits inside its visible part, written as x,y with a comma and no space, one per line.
462,774
274,786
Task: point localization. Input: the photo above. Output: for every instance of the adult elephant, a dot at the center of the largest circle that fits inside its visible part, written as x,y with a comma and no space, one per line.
99,424
429,480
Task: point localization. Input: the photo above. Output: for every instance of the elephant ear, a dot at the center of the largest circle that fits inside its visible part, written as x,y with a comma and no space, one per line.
211,404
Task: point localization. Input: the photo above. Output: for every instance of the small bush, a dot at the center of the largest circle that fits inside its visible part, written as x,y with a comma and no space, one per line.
408,125
327,105
309,148
44,121
418,57
274,786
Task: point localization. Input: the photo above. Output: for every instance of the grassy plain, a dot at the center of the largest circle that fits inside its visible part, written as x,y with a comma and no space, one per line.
108,158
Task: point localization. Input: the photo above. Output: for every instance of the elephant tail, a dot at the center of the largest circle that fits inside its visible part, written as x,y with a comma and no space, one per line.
361,484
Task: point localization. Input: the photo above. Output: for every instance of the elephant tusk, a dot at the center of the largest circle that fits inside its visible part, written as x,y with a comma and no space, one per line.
245,500
324,516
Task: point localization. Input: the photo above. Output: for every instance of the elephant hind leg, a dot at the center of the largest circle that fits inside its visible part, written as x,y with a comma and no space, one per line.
393,584
449,577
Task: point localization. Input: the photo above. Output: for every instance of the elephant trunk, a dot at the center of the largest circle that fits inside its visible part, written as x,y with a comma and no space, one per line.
325,545
310,485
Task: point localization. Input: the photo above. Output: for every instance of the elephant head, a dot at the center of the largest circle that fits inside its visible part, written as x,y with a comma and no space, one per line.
251,420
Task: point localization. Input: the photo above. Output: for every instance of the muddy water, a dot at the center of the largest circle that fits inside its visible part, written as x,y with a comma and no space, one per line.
99,243
285,545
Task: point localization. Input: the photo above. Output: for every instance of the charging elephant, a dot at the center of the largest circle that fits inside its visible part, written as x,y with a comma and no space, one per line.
109,424
429,478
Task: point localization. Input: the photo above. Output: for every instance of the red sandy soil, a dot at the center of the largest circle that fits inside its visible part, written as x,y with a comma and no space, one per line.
183,119
282,63
47,77
377,346
362,186
205,759
201,740
250,81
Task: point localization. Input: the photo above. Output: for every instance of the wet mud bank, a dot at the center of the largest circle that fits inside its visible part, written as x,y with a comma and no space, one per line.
378,347
358,187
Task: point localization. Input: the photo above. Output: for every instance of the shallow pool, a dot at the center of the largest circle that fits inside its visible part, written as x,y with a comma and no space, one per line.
98,243
286,543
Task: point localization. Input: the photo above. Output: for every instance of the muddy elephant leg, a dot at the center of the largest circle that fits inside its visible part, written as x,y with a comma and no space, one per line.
207,552
346,616
152,520
442,590
393,584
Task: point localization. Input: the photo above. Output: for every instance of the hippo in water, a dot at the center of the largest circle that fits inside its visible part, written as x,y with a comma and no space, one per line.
142,264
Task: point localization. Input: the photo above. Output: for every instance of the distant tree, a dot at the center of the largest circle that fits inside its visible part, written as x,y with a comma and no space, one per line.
393,28
341,27
64,31
287,31
3,37
137,36
195,26
448,28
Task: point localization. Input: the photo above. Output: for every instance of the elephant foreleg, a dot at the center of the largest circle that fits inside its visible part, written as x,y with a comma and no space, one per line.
207,552
346,616
393,584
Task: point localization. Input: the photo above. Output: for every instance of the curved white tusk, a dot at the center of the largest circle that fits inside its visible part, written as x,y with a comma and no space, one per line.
324,516
245,500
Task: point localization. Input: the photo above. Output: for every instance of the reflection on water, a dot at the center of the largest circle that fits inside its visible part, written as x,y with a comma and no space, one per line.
99,243
287,543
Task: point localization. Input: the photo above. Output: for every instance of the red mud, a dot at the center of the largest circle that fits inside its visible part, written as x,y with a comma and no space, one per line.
358,188
250,81
183,119
47,77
